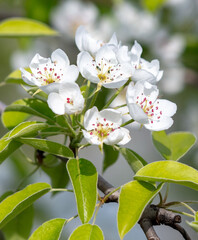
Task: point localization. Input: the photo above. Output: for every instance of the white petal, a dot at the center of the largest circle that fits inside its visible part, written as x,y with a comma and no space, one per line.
137,113
52,87
126,137
56,103
90,118
113,40
68,87
106,53
136,49
123,54
115,84
143,75
78,37
111,115
168,108
60,57
114,137
27,77
71,74
163,124
159,76
92,139
37,62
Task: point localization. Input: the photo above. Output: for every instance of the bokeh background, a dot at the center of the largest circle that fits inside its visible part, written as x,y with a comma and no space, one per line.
167,30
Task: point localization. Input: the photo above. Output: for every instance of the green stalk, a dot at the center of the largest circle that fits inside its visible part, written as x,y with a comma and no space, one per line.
128,122
116,94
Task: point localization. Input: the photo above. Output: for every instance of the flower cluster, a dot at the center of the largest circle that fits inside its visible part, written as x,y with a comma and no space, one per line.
110,65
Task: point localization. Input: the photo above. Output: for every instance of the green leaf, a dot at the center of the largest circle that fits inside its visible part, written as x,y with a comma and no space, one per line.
22,109
174,145
84,177
154,4
134,160
27,129
15,77
58,175
48,146
193,225
24,27
87,232
20,227
50,230
7,147
110,156
17,202
134,197
169,171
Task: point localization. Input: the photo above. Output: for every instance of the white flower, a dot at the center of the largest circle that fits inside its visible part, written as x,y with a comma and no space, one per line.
69,100
69,15
104,127
85,42
48,73
144,107
104,69
143,70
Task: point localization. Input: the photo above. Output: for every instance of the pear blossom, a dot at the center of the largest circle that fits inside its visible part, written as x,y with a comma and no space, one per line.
48,73
145,107
69,15
68,100
143,70
104,127
105,69
85,42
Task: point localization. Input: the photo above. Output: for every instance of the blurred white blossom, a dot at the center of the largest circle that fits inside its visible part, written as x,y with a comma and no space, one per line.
69,15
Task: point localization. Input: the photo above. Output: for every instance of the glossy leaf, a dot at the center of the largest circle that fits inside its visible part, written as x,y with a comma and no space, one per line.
17,202
87,232
134,197
20,227
174,145
110,156
22,109
24,27
26,129
193,225
83,176
50,230
48,146
169,171
7,147
134,160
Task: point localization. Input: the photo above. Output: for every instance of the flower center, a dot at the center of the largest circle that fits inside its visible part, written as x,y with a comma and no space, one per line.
69,101
48,74
102,130
150,108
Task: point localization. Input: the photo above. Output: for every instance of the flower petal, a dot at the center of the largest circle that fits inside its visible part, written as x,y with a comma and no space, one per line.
156,125
111,115
90,118
27,77
92,139
60,57
114,137
56,103
126,137
71,74
137,113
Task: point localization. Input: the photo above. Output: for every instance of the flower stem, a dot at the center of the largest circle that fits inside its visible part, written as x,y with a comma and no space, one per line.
116,94
120,106
94,99
26,177
126,123
69,126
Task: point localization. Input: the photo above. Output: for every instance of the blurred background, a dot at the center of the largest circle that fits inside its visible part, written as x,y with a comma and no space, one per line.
167,30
